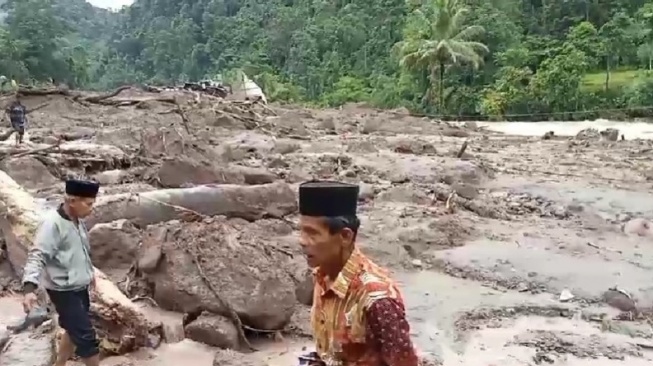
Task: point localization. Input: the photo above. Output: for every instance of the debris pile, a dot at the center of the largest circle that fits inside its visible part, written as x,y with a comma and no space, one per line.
198,210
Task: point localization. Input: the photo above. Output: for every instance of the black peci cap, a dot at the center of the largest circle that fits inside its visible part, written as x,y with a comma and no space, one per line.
328,198
82,188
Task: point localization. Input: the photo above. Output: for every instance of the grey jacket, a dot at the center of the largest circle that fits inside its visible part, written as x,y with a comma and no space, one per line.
61,249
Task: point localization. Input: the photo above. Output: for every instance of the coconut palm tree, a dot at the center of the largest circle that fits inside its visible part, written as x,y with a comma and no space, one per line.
439,37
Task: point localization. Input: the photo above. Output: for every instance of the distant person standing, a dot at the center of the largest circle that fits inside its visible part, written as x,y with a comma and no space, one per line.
18,117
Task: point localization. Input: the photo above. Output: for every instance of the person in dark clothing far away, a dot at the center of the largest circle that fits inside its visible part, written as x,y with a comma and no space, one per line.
61,250
18,117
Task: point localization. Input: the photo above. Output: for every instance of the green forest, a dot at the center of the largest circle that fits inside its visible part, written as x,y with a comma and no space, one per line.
459,59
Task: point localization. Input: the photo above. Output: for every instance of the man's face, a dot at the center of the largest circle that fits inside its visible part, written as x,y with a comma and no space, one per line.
320,247
81,206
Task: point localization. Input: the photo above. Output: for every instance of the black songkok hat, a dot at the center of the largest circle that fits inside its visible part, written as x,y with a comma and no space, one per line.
82,188
328,198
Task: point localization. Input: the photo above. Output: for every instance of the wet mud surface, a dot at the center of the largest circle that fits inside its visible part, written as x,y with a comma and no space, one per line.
517,251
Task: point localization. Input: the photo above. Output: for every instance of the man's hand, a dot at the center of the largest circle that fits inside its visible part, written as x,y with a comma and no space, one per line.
91,287
30,300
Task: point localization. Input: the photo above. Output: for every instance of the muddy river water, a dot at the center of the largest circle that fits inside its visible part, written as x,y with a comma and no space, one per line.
631,130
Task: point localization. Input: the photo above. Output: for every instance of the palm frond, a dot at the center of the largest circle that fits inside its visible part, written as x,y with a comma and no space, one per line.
467,53
468,33
458,20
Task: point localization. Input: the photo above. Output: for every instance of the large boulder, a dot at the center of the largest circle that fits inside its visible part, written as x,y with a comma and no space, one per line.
252,266
28,172
114,246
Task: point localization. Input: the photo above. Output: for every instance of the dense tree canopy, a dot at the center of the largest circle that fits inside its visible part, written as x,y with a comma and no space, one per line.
499,59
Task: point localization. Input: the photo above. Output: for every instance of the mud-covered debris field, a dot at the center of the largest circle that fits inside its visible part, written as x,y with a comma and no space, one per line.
510,250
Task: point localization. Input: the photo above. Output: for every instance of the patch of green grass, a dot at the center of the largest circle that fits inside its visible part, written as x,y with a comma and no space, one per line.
618,79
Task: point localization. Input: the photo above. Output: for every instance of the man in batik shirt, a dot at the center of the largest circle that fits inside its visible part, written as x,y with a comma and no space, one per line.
358,316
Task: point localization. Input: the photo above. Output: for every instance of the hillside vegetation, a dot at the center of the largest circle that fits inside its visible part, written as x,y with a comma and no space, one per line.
500,59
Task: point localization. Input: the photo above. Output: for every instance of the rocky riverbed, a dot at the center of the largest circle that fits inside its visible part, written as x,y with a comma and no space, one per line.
513,250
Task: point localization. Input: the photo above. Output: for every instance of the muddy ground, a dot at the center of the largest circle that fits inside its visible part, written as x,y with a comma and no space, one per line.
517,251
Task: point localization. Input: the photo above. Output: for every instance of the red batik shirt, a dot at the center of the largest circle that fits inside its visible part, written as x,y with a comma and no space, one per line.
359,318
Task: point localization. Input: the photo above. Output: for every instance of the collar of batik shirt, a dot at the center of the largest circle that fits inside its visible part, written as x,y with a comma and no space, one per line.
355,264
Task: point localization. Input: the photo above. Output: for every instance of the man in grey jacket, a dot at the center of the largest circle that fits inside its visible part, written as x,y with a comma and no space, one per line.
61,251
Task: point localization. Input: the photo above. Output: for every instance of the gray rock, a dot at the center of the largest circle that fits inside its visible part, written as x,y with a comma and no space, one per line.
465,190
239,259
610,134
256,175
149,259
214,330
638,227
178,172
28,172
114,245
304,290
366,192
110,177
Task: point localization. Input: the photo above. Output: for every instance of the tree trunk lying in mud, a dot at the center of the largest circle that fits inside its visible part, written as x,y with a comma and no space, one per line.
122,327
247,202
69,148
103,99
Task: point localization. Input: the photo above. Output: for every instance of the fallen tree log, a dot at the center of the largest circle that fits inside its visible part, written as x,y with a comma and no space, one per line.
43,149
246,202
121,325
77,147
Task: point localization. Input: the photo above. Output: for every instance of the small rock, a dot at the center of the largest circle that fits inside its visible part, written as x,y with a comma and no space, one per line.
149,259
255,176
366,192
619,300
110,177
610,134
328,125
173,330
213,330
277,163
471,125
560,212
465,190
588,134
417,263
638,227
548,135
347,173
566,295
284,147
